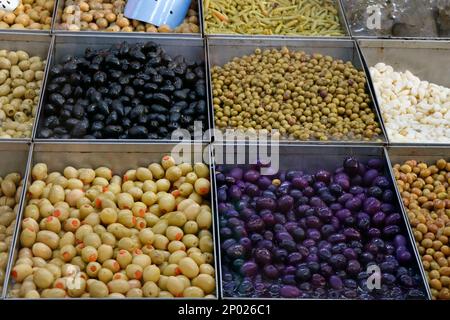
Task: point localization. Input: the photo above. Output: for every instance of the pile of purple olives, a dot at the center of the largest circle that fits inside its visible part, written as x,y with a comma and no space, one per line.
304,235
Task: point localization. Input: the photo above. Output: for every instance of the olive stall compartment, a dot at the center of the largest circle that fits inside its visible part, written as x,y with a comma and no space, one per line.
60,30
341,16
35,45
69,44
425,59
400,154
14,157
222,50
35,32
119,158
304,158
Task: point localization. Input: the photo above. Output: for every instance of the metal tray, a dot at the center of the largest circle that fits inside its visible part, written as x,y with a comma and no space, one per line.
56,29
424,59
342,21
69,44
14,157
305,156
32,31
118,158
223,50
398,155
34,44
366,35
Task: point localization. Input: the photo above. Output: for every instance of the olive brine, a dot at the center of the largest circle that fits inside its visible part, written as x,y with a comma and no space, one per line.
301,235
128,91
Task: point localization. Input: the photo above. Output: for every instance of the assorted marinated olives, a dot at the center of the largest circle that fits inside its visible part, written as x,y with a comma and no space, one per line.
425,190
127,91
92,233
21,77
314,235
10,191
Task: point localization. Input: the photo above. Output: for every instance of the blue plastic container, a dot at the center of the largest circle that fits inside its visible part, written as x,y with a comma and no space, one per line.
158,12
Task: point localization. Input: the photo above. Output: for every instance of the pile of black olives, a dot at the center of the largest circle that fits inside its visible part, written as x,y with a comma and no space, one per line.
128,91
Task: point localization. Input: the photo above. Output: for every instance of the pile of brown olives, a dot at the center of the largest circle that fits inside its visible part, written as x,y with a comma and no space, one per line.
425,190
91,233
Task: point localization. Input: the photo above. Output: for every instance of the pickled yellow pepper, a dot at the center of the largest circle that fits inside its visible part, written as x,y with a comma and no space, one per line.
282,17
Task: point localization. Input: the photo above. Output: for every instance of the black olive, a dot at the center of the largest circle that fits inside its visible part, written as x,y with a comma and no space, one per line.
112,118
112,60
166,58
174,117
45,133
115,74
102,107
156,108
70,67
57,99
103,90
157,78
201,107
93,67
178,83
117,106
78,130
98,59
185,120
60,131
98,117
56,70
89,137
86,79
148,97
66,90
143,76
91,109
142,120
97,126
152,136
154,61
112,131
137,54
167,73
189,111
78,111
149,70
94,95
163,132
154,124
97,134
126,123
129,91
59,80
49,109
136,112
162,119
162,99
51,122
140,94
115,89
200,89
124,64
124,48
180,69
190,77
53,87
192,96
124,80
180,104
99,77
138,132
71,123
135,65
77,92
150,46
127,110
138,82
200,72
168,89
179,59
181,94
68,107
64,115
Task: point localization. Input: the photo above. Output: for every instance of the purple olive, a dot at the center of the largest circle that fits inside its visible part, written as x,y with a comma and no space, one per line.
318,281
343,214
255,224
353,204
350,253
288,291
374,233
313,222
237,173
391,231
325,214
378,218
344,198
387,208
265,203
323,176
270,271
393,219
375,164
370,176
309,191
388,196
300,183
381,182
249,269
352,234
372,205
263,256
336,238
252,190
353,267
234,192
336,282
403,255
335,206
400,241
294,258
235,251
313,234
285,203
251,176
351,166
